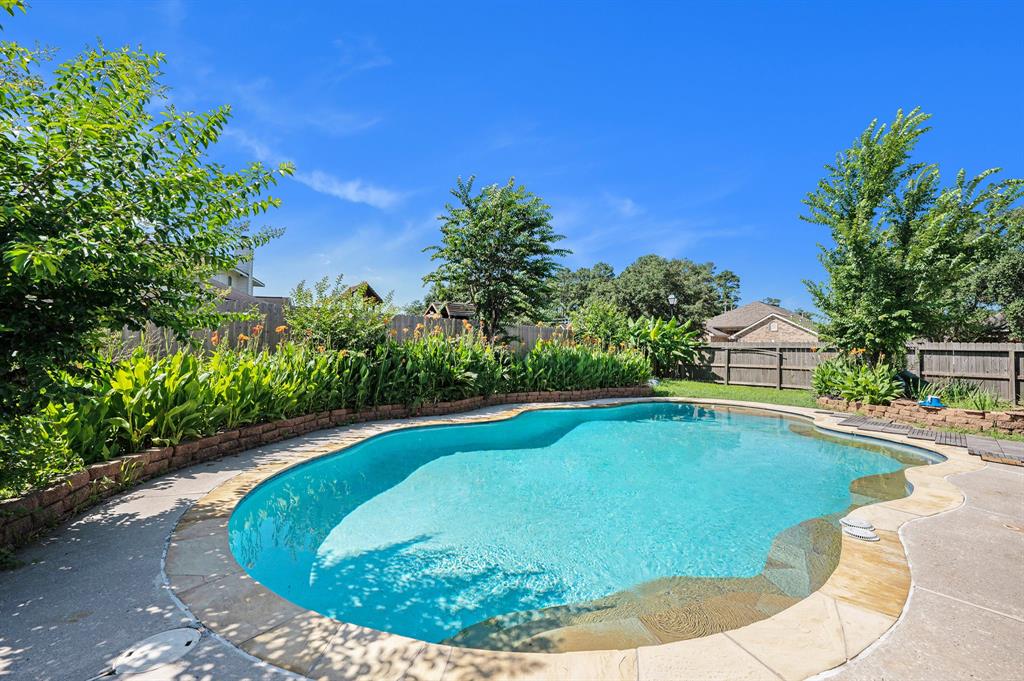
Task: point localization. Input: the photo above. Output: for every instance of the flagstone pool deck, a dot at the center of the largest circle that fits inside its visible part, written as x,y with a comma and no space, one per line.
156,557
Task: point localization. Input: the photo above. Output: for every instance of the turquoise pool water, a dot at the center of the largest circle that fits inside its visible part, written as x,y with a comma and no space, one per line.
425,532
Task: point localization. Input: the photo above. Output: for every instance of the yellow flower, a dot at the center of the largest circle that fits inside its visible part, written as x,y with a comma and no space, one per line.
281,329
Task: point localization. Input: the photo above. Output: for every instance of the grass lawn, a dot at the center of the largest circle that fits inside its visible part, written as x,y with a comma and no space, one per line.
794,398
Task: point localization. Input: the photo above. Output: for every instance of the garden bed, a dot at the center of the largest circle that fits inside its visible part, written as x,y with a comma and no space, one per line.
908,411
22,518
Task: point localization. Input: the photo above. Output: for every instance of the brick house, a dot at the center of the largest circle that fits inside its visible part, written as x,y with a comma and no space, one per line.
760,323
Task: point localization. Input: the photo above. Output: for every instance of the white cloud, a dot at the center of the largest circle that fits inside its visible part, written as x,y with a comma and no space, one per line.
355,191
255,146
359,53
625,206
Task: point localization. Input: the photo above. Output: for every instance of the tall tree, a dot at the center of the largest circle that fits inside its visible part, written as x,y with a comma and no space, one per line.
902,244
572,289
772,301
644,287
497,252
728,284
111,215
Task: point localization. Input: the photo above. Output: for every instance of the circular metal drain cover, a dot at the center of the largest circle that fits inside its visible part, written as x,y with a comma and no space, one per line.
157,650
860,533
854,521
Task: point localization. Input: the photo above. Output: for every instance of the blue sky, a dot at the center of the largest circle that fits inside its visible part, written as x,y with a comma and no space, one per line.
683,129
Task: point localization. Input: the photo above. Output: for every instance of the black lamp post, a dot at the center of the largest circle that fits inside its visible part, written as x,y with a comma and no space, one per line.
672,300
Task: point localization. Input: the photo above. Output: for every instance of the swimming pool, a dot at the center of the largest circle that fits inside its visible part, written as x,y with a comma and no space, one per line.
514,534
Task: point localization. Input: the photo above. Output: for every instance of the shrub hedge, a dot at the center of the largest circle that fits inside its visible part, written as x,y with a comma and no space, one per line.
128,405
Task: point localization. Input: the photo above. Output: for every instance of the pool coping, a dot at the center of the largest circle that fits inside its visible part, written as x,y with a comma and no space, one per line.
858,604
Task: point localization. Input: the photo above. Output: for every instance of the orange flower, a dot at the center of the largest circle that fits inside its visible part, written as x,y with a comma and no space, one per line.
257,330
215,338
320,348
242,338
282,328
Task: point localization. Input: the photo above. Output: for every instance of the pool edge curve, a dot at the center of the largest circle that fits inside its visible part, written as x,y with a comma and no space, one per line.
862,599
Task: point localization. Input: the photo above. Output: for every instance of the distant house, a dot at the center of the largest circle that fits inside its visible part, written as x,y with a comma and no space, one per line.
446,310
240,279
760,323
367,290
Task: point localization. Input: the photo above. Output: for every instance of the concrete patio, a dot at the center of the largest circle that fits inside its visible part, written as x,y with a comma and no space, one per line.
95,586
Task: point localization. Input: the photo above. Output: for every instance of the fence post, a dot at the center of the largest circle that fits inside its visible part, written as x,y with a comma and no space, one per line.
778,367
728,352
1014,392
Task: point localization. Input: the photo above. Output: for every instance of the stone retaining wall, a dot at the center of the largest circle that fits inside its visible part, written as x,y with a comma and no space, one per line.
909,411
24,517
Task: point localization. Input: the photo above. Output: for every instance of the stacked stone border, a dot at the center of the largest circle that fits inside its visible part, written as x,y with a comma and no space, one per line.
25,517
911,412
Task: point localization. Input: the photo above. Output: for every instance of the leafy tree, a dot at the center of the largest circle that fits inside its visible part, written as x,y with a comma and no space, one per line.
601,320
902,244
644,287
414,307
497,252
772,301
671,346
805,313
572,289
111,215
333,317
728,284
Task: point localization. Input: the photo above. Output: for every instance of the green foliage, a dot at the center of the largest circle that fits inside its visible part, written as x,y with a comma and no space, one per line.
33,455
905,250
827,377
112,215
496,252
959,393
669,345
601,321
553,365
871,384
140,401
644,287
574,289
337,317
854,379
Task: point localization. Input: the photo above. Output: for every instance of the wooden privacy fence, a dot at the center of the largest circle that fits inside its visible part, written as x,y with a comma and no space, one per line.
404,327
996,367
159,341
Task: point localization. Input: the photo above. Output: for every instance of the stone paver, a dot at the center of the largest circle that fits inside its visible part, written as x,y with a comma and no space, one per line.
95,586
941,639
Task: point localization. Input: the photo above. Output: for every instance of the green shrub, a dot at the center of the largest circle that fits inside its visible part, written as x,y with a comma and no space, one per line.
827,377
601,321
140,401
669,345
33,455
959,393
878,384
336,318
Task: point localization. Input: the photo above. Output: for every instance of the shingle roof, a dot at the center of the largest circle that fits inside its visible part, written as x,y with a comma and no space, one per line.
744,316
368,291
452,310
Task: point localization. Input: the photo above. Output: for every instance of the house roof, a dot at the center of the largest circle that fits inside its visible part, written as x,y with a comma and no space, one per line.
454,310
752,313
789,320
368,291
